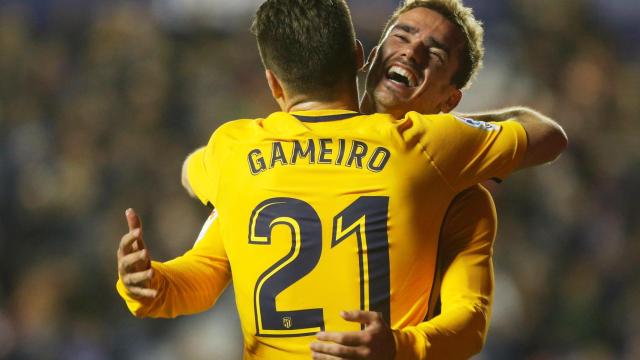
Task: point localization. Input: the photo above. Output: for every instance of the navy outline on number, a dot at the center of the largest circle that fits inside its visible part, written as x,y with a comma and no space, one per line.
273,280
370,212
374,211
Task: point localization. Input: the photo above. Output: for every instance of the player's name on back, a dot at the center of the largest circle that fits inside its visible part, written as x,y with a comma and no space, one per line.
349,153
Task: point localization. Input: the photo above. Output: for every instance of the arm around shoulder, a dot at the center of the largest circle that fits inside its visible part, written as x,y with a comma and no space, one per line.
546,139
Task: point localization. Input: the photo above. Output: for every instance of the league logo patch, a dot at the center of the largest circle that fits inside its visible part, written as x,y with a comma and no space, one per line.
478,124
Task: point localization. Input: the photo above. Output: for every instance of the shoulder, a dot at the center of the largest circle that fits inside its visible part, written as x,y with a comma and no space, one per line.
422,125
471,219
429,119
476,195
473,204
233,130
236,127
452,121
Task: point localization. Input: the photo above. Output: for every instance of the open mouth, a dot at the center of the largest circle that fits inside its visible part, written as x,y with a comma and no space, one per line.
402,76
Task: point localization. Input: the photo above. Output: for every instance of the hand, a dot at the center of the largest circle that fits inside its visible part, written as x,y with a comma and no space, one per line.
374,342
134,263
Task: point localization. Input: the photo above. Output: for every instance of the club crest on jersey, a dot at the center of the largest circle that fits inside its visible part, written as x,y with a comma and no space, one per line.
479,124
286,322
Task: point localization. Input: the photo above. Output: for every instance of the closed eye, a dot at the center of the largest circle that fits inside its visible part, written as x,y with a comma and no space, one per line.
401,37
438,55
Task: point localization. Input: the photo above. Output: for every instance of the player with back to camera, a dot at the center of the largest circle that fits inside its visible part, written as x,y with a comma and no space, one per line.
290,135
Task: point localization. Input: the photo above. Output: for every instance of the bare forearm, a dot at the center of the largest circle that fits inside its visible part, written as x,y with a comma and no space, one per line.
546,138
498,115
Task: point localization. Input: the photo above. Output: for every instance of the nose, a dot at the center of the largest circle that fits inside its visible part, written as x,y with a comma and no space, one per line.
413,52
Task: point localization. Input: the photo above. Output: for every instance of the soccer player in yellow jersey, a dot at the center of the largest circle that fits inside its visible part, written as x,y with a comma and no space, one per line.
441,41
359,225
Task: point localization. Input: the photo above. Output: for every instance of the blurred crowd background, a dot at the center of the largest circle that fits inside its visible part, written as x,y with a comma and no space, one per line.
100,101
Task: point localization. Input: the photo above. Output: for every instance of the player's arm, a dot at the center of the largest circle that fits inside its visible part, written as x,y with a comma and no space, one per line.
466,151
546,138
466,294
188,284
202,168
184,175
459,331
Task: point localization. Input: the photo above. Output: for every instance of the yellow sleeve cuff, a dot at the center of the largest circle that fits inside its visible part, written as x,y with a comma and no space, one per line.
140,307
409,344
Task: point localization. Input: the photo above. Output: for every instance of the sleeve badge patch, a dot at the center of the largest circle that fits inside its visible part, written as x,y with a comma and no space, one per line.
479,124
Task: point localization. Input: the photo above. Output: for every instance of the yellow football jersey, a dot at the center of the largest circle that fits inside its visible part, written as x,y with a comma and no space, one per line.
322,211
192,282
464,283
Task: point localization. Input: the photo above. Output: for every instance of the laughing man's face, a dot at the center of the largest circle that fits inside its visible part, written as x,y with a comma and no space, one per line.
415,64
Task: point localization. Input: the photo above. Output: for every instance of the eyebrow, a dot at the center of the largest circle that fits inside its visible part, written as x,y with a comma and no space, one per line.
432,42
406,28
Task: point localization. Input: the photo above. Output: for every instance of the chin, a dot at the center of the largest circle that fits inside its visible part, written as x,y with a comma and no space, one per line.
385,102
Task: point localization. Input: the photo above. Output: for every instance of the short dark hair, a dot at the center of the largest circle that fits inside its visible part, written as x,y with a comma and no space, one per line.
308,44
463,18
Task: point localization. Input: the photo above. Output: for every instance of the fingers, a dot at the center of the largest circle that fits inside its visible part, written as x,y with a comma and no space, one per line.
142,292
134,223
336,351
353,338
140,278
132,219
363,317
134,262
375,341
127,241
321,356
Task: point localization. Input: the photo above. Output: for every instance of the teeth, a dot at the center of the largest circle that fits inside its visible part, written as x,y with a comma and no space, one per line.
411,80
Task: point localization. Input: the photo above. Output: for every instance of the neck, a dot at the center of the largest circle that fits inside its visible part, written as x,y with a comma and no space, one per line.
367,106
341,100
337,104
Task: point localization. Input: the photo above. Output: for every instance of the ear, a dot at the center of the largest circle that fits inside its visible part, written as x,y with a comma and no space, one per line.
371,58
274,84
359,55
452,101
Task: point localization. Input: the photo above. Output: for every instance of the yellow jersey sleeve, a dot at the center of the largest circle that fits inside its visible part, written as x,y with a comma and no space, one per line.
198,176
187,284
203,168
467,238
467,152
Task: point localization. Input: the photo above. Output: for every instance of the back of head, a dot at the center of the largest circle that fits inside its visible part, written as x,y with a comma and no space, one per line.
308,44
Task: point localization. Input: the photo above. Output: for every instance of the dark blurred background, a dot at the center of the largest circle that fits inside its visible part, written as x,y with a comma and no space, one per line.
100,101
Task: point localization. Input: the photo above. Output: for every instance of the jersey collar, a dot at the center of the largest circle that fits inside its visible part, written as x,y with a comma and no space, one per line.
294,123
315,116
